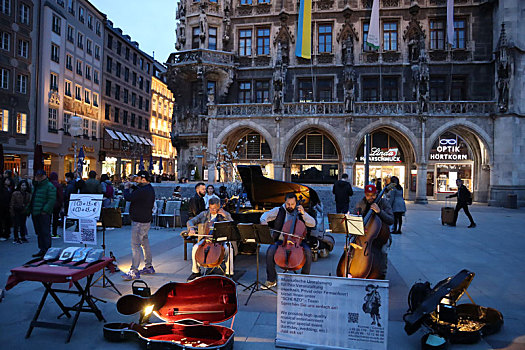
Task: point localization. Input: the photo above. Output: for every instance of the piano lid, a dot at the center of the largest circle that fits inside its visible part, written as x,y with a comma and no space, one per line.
263,191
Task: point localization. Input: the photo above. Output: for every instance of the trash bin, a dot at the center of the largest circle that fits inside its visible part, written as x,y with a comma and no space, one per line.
512,201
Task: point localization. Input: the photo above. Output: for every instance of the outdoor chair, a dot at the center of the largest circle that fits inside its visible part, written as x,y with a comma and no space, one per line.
169,211
158,208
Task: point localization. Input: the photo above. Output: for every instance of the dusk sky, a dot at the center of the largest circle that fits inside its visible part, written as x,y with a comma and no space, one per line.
150,23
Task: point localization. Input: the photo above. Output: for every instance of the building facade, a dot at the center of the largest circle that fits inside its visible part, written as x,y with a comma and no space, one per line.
18,57
70,72
160,123
435,112
126,102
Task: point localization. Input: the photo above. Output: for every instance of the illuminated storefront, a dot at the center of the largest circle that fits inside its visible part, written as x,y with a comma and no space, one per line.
450,159
386,160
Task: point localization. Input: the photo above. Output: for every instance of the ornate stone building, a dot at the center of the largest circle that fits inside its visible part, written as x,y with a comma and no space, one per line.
435,112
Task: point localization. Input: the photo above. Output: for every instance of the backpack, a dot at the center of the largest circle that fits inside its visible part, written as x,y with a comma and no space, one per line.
110,192
469,197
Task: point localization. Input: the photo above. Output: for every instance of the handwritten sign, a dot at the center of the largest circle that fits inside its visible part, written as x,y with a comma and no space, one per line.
84,206
331,312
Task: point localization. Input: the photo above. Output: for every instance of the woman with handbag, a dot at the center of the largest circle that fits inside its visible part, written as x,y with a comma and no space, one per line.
19,205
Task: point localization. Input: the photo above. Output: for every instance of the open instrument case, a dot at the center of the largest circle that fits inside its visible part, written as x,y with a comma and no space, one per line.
189,311
437,309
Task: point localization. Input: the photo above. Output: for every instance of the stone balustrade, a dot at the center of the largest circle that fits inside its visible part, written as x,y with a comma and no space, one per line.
187,57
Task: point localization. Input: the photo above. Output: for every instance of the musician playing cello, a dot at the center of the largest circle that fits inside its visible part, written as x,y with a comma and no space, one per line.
214,213
383,211
278,216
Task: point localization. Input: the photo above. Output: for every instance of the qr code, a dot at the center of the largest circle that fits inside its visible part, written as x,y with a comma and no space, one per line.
87,235
353,317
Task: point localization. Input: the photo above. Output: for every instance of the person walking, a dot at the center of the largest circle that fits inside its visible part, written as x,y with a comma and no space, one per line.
5,199
42,203
142,198
464,200
92,185
57,209
397,202
19,205
342,191
71,188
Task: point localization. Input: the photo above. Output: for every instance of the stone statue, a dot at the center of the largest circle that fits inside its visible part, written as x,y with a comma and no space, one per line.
503,70
278,82
349,75
203,24
227,30
181,36
348,51
181,10
421,78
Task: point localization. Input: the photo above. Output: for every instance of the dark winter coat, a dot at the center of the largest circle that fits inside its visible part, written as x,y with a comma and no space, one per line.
92,186
19,202
142,199
44,197
196,206
342,191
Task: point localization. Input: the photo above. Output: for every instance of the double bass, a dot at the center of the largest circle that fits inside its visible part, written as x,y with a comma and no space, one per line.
290,255
361,259
209,253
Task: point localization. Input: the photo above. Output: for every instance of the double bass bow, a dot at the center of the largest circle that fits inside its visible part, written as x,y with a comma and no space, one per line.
290,255
360,259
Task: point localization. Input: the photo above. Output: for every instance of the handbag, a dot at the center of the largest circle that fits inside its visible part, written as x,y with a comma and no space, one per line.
111,217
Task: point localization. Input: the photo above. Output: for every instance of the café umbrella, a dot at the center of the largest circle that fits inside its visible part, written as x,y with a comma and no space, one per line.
141,164
80,162
160,165
150,167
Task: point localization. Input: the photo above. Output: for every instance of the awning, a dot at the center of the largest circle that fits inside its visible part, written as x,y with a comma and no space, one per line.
121,136
144,141
130,138
150,143
111,133
138,140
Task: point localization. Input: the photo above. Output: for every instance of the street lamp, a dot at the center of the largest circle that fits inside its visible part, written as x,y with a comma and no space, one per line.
75,129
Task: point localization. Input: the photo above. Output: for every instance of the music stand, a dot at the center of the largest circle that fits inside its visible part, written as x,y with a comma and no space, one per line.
349,225
106,282
260,234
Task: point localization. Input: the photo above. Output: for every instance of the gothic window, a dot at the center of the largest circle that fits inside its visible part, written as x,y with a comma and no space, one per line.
325,38
263,41
370,88
212,38
437,88
390,36
460,34
245,92
437,35
390,89
458,90
245,42
195,40
305,90
262,91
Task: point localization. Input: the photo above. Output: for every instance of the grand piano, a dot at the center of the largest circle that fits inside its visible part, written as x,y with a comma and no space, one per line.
265,194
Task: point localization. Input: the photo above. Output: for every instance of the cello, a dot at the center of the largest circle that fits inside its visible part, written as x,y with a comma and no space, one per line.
362,259
209,254
290,255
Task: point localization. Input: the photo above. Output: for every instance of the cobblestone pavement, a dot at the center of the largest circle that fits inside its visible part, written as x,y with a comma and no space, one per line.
426,250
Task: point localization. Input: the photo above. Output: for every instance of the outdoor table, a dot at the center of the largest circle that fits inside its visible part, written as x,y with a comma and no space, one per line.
50,274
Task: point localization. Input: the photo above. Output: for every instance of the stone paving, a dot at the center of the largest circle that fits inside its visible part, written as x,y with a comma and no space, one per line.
426,250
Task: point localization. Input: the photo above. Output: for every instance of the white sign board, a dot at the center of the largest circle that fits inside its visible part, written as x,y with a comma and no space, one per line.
84,206
81,231
331,312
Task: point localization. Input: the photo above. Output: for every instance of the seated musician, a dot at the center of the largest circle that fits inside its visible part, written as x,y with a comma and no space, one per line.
213,214
278,216
384,212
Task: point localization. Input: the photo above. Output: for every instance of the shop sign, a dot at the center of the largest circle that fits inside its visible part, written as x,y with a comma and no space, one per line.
87,149
390,155
449,149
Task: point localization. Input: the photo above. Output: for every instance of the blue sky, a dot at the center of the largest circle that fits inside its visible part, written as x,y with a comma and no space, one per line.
151,23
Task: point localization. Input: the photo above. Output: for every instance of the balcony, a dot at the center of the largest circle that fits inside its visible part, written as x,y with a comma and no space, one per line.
362,109
201,56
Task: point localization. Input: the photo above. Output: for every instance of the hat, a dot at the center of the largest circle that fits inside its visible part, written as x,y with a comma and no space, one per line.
40,172
144,174
370,189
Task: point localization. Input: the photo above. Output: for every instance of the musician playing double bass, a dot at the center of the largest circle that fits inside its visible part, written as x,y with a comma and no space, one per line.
214,213
384,212
278,216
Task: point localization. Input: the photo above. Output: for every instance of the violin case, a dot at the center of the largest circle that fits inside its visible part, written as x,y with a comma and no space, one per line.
188,311
438,310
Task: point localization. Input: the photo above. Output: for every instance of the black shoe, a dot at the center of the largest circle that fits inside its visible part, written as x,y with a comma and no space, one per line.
472,225
24,240
453,225
194,276
395,232
38,255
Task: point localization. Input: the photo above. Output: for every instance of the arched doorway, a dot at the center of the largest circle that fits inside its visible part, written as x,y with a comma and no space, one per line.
458,153
314,158
391,154
247,146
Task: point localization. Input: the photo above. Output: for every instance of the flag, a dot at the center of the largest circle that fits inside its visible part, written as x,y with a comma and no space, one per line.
150,167
450,22
141,164
373,29
80,162
304,30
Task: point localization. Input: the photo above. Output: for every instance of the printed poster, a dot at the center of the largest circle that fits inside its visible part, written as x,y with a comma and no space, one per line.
80,231
331,312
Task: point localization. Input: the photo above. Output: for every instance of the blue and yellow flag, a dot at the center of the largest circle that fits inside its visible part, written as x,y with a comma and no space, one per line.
304,30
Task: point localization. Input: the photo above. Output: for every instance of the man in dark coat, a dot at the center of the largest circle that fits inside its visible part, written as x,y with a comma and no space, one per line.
342,191
197,205
142,198
464,199
42,203
71,188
